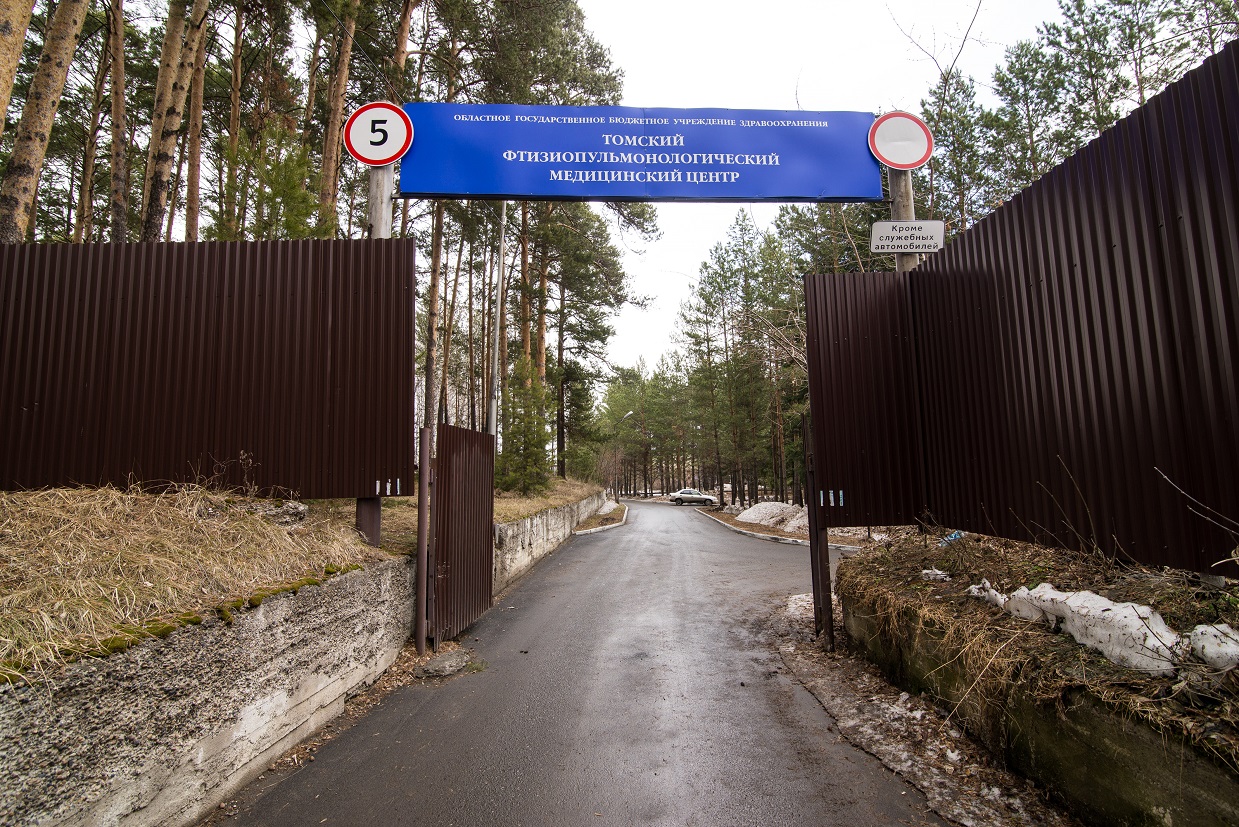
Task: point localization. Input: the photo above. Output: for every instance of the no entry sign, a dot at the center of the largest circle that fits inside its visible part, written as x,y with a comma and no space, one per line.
901,140
378,134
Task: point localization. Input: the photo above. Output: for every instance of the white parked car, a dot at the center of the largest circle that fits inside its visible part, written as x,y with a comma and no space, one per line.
691,496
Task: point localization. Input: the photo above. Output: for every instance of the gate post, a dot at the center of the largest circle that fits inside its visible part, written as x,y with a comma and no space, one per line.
819,546
421,609
370,518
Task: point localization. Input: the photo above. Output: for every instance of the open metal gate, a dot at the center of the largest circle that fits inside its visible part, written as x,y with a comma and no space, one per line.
463,514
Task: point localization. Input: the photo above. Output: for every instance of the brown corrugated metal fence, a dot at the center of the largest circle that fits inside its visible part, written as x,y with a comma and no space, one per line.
463,511
863,382
281,365
1075,352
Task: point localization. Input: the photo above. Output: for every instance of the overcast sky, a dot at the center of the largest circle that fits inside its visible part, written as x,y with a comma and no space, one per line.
822,55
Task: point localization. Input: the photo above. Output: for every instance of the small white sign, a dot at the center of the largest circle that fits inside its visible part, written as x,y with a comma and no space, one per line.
378,134
906,236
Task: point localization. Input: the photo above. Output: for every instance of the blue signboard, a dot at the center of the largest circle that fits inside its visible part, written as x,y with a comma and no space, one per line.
623,153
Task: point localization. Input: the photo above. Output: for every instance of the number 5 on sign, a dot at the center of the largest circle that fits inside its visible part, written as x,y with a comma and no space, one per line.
378,134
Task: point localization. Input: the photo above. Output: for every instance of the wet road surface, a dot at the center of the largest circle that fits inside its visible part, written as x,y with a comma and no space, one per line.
627,681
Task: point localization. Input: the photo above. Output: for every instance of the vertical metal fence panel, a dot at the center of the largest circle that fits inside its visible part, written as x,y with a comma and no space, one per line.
1079,346
282,366
862,381
463,512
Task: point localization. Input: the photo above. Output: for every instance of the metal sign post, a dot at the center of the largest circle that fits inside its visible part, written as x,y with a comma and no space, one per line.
377,135
903,143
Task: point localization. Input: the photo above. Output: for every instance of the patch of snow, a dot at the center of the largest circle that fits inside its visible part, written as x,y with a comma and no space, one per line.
935,574
772,514
607,507
1128,634
800,605
1216,645
798,523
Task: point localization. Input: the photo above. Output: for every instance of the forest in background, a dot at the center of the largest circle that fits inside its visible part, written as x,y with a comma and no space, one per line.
724,412
186,120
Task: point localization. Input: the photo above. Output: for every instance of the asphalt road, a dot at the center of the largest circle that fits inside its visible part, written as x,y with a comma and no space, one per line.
628,682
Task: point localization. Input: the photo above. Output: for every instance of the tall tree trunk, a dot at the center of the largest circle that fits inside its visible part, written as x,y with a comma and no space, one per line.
21,178
169,64
120,157
174,191
503,335
543,276
488,311
447,327
432,315
156,206
329,183
473,411
561,464
84,219
312,87
259,121
403,26
780,443
232,220
14,21
526,281
193,204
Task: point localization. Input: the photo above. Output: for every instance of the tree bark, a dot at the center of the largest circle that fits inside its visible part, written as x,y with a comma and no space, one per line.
543,276
447,327
163,154
526,333
232,220
561,465
21,178
84,220
473,398
432,316
14,21
312,84
120,156
193,181
175,189
169,63
401,55
329,183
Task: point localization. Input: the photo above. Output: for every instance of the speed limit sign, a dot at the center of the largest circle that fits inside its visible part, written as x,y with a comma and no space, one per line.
378,133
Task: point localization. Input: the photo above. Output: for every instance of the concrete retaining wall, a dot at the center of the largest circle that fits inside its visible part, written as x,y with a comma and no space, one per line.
520,544
162,732
1107,767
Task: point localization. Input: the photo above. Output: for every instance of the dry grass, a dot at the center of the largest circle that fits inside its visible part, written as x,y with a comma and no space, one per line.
998,651
613,517
87,571
399,526
757,528
84,572
512,507
398,531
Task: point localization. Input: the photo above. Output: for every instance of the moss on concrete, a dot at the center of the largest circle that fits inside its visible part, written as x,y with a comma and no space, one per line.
1107,766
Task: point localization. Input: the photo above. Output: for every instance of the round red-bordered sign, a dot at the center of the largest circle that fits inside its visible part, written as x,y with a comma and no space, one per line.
901,140
378,134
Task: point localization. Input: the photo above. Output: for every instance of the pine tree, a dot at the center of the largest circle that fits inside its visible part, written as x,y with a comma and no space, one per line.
21,176
959,175
523,464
